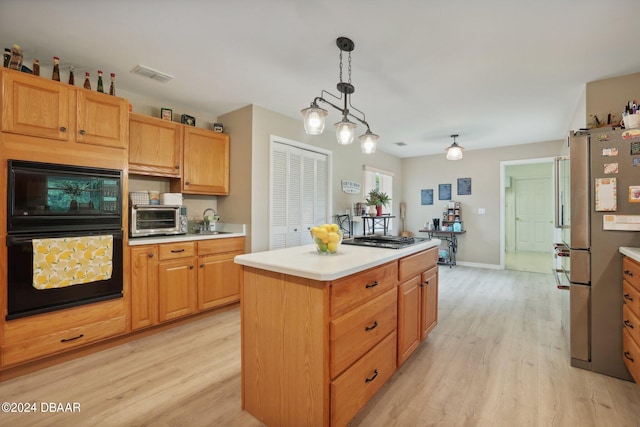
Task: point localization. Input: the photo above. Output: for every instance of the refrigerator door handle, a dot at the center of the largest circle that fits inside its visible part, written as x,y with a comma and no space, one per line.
557,221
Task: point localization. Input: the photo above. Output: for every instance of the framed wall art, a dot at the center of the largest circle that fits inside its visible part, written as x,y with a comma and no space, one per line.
444,191
464,186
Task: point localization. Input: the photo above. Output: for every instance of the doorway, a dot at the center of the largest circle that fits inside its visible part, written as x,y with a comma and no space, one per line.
527,198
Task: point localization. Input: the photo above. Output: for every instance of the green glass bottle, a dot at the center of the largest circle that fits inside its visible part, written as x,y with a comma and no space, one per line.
100,85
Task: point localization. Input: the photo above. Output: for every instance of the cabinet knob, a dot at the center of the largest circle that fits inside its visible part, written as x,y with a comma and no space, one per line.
63,129
150,255
191,267
83,132
201,265
177,166
187,183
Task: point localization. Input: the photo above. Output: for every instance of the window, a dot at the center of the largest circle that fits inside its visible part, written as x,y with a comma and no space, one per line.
378,179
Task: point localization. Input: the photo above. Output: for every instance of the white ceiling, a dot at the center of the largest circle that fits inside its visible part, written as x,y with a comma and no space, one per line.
497,72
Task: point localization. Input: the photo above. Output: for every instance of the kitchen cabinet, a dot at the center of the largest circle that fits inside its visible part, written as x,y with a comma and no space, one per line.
417,300
631,316
205,167
144,289
219,277
165,283
155,146
39,107
177,295
298,327
34,337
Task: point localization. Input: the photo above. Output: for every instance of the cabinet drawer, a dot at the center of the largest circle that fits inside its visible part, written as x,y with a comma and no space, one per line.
415,264
213,246
631,322
354,290
176,250
59,321
631,272
353,389
354,333
631,355
631,297
62,340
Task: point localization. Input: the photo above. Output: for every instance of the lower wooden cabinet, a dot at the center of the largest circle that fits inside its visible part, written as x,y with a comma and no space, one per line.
46,334
631,316
172,280
417,301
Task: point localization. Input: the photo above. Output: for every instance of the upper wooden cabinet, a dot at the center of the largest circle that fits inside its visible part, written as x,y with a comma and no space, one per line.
155,146
205,162
43,108
102,119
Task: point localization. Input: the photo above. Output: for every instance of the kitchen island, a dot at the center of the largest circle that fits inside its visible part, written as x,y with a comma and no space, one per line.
322,333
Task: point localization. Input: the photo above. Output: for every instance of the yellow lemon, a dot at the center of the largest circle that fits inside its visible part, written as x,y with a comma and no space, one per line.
314,231
334,237
321,233
332,246
335,228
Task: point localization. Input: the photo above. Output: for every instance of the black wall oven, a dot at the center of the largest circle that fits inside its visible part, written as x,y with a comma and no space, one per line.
50,201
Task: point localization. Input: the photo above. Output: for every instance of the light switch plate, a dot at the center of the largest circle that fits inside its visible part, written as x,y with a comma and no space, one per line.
481,211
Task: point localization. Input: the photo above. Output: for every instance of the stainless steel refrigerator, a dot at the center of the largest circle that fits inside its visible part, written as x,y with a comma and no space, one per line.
596,212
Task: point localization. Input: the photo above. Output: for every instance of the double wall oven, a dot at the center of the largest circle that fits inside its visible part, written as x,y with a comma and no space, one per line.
50,203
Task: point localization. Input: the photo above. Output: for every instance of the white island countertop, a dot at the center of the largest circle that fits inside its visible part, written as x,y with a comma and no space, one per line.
305,261
633,253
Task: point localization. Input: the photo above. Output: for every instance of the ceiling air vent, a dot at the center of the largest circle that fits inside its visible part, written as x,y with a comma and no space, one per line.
143,70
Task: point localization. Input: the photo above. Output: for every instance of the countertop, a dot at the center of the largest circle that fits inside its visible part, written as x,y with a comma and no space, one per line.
633,253
304,261
229,230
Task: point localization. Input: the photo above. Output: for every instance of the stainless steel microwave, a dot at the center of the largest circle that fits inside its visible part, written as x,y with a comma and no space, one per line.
156,220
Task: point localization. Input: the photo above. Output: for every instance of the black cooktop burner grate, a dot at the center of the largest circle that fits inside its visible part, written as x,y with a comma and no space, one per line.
390,242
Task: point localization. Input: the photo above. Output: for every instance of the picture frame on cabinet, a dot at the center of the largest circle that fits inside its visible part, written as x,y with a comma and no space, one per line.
166,114
188,120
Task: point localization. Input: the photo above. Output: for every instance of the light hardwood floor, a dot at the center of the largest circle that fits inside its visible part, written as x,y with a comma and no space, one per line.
496,358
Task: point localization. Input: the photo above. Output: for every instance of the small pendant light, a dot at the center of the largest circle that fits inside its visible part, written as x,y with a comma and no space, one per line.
454,152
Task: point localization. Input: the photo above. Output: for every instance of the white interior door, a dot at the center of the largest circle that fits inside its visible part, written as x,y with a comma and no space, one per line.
533,214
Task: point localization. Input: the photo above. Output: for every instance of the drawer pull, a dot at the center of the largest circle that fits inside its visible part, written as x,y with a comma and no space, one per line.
628,324
150,255
63,129
372,327
176,251
375,374
191,267
83,132
628,273
371,285
627,355
628,297
71,339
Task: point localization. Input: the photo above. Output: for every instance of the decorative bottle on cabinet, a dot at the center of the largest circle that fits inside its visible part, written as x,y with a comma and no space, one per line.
112,88
87,82
100,86
72,80
36,67
56,69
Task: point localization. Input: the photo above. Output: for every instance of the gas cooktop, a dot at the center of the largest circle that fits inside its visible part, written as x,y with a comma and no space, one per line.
389,242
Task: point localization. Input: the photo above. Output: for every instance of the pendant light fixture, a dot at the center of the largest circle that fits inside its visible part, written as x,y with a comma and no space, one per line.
454,152
345,129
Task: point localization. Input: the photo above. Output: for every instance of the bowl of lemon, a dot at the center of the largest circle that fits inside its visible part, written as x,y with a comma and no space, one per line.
327,238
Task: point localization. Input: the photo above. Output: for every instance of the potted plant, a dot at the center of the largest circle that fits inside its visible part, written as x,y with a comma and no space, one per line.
378,199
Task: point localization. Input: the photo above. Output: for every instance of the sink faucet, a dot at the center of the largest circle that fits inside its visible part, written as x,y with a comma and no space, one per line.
205,218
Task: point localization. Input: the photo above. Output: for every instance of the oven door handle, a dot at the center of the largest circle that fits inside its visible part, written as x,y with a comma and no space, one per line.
13,240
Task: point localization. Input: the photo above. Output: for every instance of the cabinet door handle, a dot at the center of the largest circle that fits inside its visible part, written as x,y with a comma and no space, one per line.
63,129
628,273
628,297
191,267
177,166
176,251
371,285
71,339
83,132
628,356
150,255
372,327
187,183
201,265
375,374
628,324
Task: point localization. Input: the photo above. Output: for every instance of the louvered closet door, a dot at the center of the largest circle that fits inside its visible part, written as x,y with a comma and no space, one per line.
299,180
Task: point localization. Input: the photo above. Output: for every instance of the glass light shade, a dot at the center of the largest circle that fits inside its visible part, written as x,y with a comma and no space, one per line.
454,152
314,119
368,142
345,131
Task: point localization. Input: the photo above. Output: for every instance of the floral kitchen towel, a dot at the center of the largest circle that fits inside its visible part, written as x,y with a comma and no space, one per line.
67,261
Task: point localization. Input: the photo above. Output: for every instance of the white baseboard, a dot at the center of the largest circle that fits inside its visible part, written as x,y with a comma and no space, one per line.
479,265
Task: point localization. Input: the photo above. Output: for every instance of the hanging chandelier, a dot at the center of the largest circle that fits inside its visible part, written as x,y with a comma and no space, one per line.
454,152
345,129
